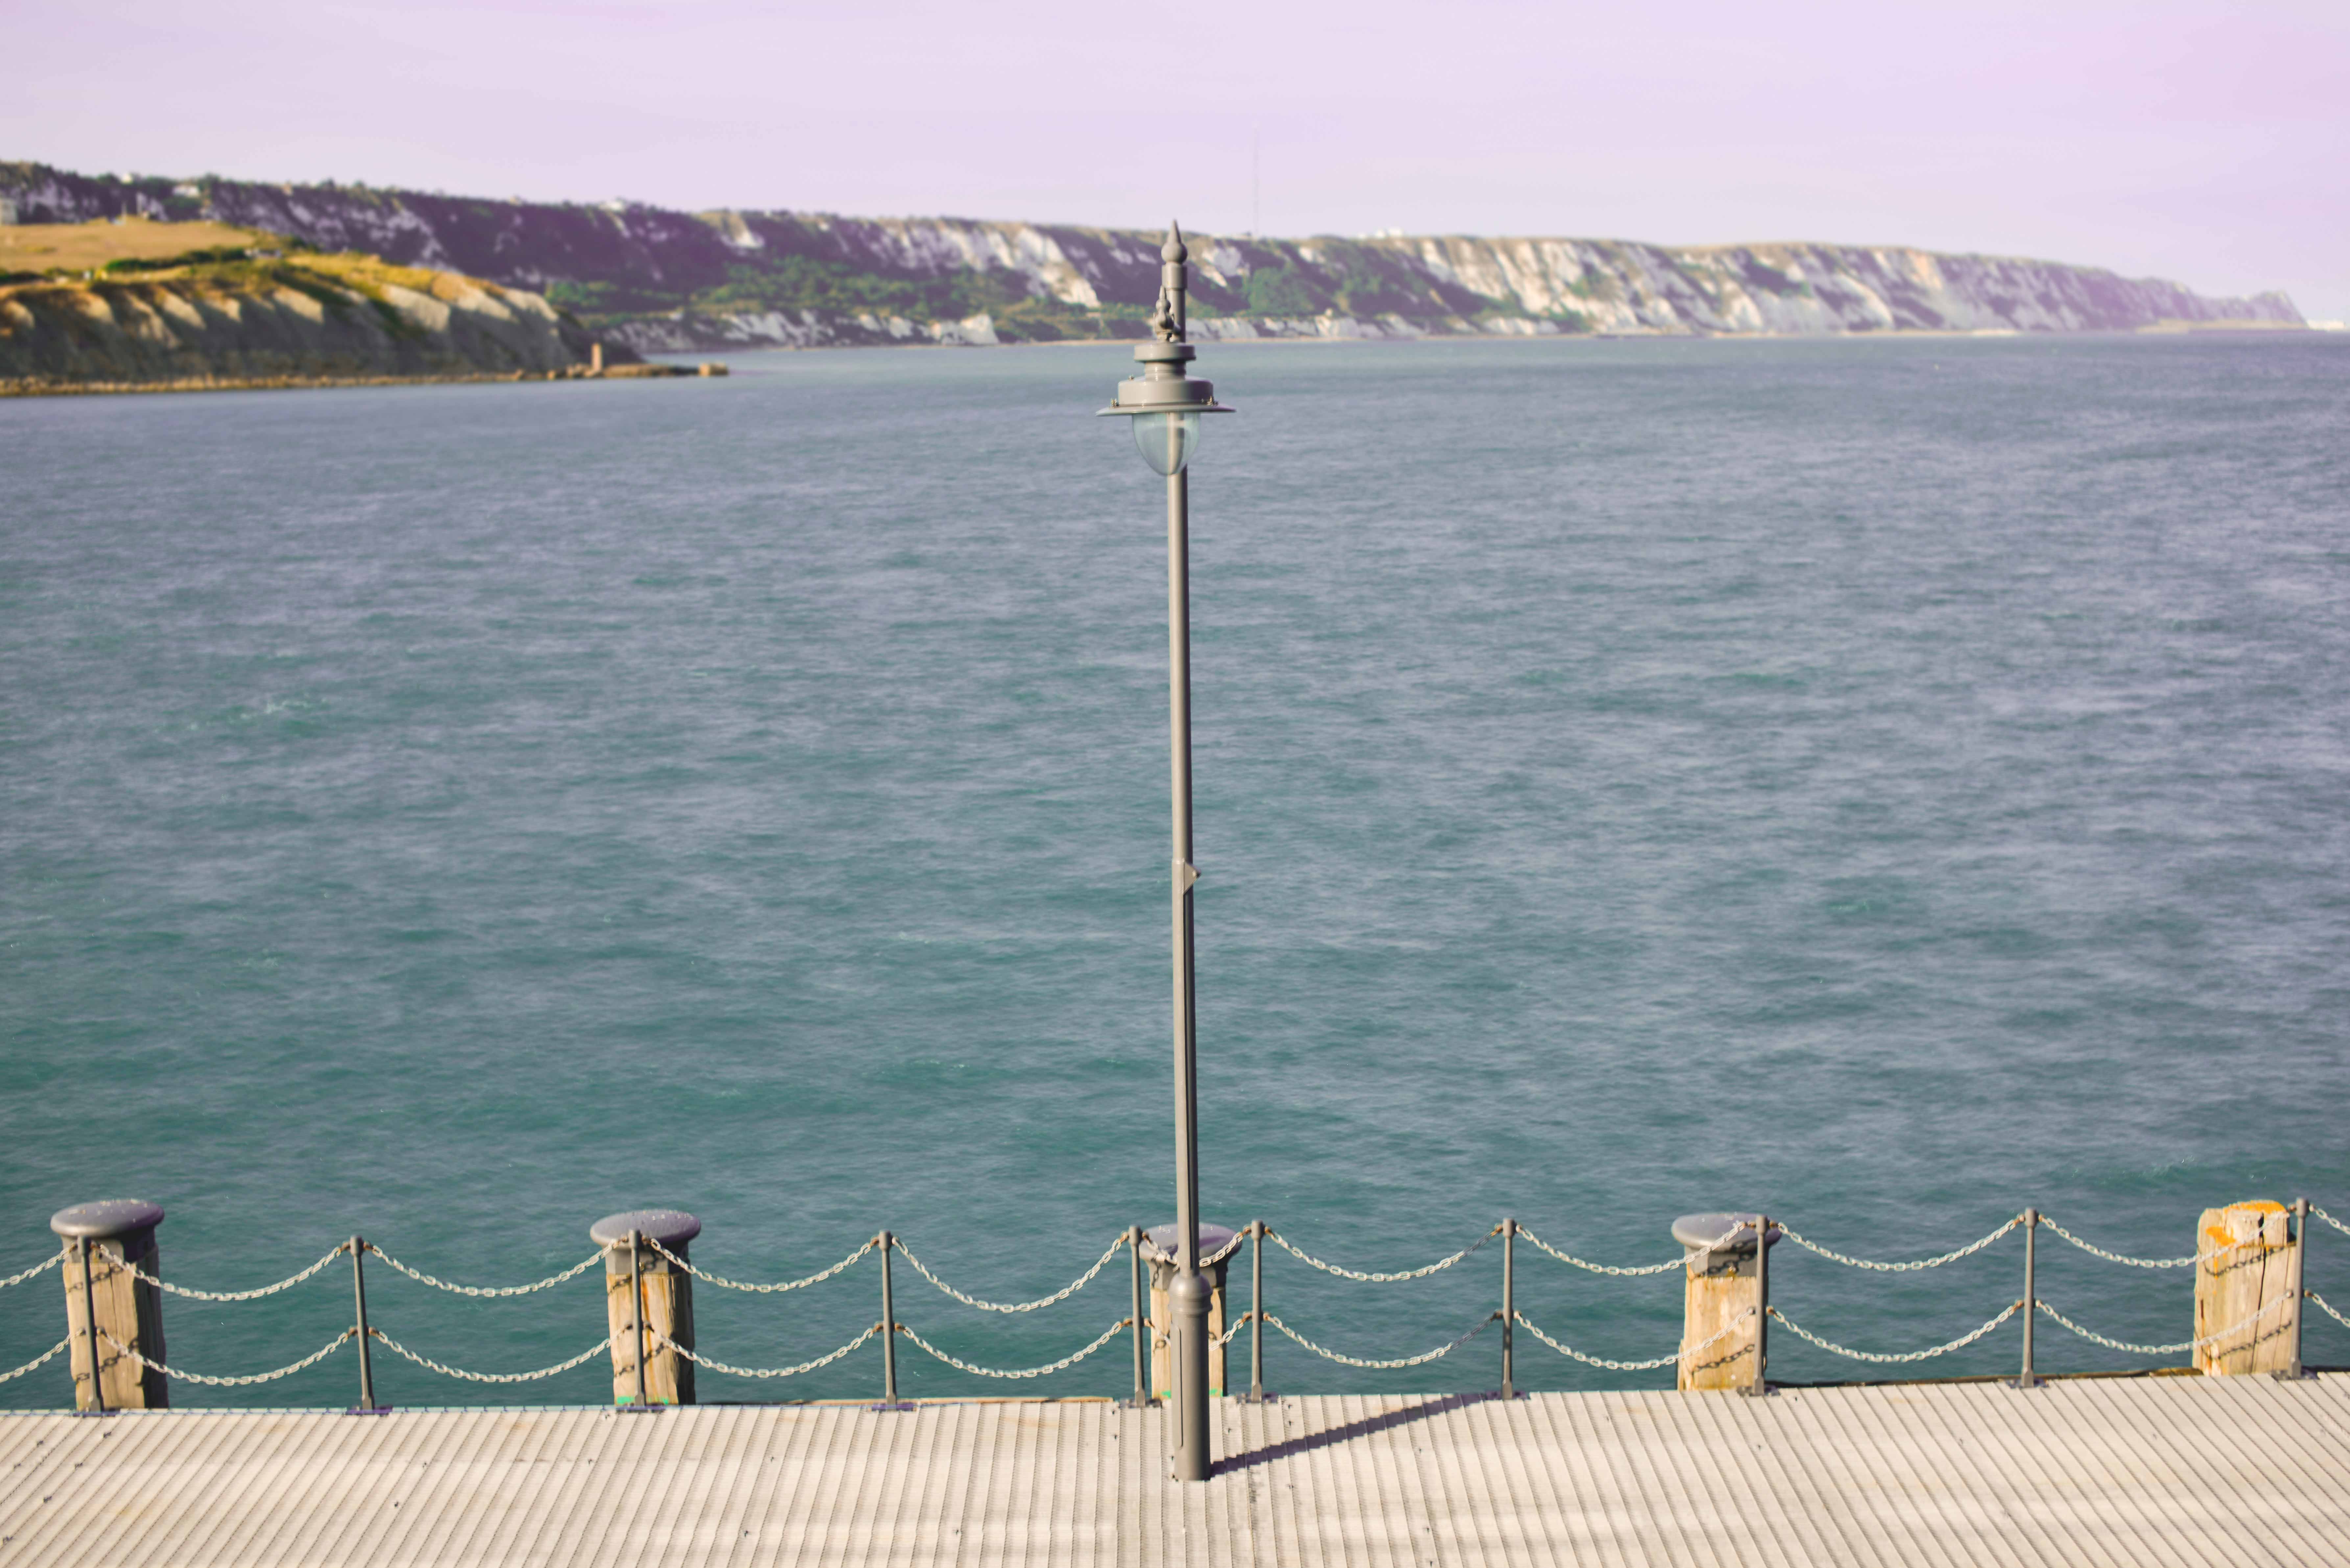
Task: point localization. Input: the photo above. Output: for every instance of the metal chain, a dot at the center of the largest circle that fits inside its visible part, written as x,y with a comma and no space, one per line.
1112,1332
2116,1257
1968,1251
1064,1294
316,1356
423,1278
764,1371
1243,1321
1604,1268
1421,1359
2163,1349
1649,1366
2330,1219
287,1283
1227,1250
815,1279
61,1345
1959,1343
51,1261
398,1349
2325,1306
1437,1267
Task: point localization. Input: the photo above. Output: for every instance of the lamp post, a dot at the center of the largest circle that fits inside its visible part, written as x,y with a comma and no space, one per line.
1164,406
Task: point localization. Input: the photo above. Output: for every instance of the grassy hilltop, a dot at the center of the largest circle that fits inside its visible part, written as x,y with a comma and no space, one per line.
144,304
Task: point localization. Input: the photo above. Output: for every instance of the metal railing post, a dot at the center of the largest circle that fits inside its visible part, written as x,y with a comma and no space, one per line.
367,1404
89,1325
1762,1305
888,1329
1141,1321
637,1305
2027,1379
1257,1312
1509,1306
2292,1368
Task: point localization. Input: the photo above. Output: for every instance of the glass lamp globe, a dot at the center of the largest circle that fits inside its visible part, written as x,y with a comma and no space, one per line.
1166,441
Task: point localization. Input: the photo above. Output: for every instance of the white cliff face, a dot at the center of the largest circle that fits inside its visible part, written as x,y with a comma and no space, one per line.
660,279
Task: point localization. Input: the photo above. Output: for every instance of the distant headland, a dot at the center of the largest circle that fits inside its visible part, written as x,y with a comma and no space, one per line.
648,279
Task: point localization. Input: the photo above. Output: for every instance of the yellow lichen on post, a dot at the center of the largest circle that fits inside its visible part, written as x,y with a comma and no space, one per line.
2244,1289
120,1235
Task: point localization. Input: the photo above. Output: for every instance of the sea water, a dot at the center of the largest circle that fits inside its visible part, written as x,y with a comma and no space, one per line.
1890,783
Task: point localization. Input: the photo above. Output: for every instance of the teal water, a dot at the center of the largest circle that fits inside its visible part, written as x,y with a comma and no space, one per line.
1888,781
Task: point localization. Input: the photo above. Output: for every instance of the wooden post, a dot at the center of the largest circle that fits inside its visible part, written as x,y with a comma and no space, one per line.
2244,1268
1159,1252
663,1304
1722,1290
109,1239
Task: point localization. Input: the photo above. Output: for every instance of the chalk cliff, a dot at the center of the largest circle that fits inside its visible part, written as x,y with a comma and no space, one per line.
661,279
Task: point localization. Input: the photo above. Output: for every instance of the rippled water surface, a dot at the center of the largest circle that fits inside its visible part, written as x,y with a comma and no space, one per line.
1888,781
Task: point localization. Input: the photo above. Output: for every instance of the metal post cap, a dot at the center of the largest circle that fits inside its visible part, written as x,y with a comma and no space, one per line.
670,1227
1162,1242
107,1216
1699,1231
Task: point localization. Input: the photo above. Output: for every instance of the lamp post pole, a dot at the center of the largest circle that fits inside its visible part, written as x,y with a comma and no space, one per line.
1165,406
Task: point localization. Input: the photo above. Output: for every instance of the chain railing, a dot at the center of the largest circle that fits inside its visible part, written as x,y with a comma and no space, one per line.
1154,1333
723,1283
1896,1357
1683,1354
288,1370
43,1359
1968,1250
598,1348
288,1284
1064,1294
51,1261
1112,1332
805,1367
1438,1267
2183,1346
1422,1359
422,1278
2097,1252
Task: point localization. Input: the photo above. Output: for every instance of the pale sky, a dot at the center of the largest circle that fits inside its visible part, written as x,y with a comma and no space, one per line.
2197,141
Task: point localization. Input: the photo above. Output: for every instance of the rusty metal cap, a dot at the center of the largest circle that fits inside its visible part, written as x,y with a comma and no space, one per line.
1160,1242
670,1227
107,1216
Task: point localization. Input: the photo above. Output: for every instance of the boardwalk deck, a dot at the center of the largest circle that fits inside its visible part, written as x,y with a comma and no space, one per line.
2146,1471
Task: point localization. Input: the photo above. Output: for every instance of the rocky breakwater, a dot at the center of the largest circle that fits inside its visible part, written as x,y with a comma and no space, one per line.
277,321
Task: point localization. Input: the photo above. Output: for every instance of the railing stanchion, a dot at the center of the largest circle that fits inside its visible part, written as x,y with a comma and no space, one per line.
1257,1312
2300,1275
1509,1306
2027,1379
888,1329
1761,1305
637,1305
1142,1323
367,1404
89,1324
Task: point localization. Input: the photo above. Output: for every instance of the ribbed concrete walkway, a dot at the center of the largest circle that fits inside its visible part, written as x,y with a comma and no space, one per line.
2146,1471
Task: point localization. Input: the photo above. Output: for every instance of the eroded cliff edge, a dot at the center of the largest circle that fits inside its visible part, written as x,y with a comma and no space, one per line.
663,280
275,321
